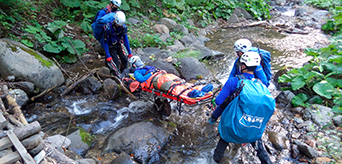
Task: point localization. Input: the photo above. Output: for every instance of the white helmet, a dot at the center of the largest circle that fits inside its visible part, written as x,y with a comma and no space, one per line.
119,18
250,59
242,45
136,61
116,2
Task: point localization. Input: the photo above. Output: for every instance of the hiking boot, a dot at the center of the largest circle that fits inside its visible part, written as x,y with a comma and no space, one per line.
217,157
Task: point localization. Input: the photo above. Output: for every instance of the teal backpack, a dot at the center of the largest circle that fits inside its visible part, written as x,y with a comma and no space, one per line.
244,119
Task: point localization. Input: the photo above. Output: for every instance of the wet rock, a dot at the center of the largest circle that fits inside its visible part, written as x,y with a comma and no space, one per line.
72,154
123,158
300,12
233,19
296,135
134,21
186,40
168,67
171,24
319,114
306,149
192,68
285,98
48,98
104,70
337,120
165,37
26,86
280,2
277,140
10,78
295,151
176,46
20,96
242,12
89,85
297,109
77,145
21,62
111,89
87,161
58,141
298,120
160,28
181,28
143,140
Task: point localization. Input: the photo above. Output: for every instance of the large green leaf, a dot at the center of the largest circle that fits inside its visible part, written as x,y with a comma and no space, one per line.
324,89
28,43
53,48
297,83
300,99
31,29
86,26
56,25
135,3
78,44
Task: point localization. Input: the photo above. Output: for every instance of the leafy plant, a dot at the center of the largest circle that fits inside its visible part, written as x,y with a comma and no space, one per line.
86,137
322,76
334,25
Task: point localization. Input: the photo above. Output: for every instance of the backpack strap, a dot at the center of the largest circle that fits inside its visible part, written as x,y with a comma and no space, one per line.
236,92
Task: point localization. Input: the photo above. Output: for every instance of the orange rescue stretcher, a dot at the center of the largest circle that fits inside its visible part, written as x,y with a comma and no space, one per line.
174,88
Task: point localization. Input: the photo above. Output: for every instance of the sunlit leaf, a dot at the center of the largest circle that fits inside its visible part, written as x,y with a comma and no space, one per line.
324,89
27,43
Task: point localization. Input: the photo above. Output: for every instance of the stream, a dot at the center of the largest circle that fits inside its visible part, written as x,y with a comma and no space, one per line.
195,139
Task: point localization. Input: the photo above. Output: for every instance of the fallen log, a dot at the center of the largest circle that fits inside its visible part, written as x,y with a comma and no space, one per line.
14,106
24,131
43,93
117,80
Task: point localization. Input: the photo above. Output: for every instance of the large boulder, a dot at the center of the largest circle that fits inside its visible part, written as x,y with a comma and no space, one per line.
143,139
191,68
27,64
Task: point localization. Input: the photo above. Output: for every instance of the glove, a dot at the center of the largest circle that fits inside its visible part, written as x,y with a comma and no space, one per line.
109,59
212,120
129,56
213,104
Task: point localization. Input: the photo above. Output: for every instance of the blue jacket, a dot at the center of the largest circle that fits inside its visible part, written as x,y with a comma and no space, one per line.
139,74
258,72
110,35
228,88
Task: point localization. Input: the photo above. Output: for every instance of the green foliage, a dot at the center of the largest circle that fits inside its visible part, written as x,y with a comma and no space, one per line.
188,53
86,137
334,25
57,43
322,76
324,4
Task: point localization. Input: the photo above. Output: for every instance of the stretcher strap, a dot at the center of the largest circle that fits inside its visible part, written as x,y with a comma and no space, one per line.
153,76
184,91
173,86
166,85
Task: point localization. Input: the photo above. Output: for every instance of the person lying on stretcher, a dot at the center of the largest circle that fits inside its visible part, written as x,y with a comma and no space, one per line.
151,78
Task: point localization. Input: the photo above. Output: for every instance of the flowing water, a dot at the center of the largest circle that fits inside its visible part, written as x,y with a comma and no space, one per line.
196,139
